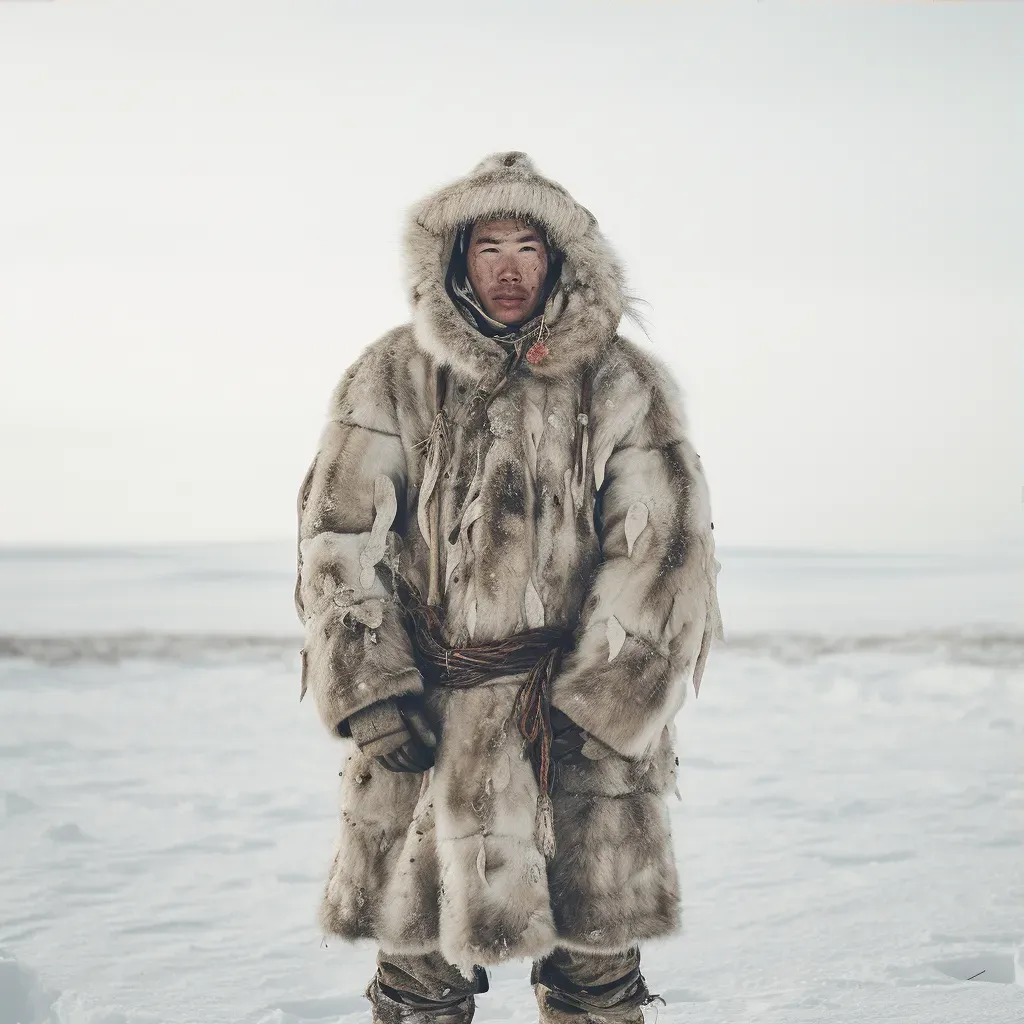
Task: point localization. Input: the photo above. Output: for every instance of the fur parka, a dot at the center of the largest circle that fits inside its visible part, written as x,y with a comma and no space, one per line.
610,538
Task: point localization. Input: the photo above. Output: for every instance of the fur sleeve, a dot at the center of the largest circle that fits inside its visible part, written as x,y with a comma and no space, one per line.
652,610
357,649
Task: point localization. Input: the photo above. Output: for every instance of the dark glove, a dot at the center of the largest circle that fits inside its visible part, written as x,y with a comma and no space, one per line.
395,732
567,739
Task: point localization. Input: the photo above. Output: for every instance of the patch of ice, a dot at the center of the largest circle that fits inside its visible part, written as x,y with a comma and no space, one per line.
23,997
958,646
968,645
15,803
990,967
72,1008
69,832
325,1008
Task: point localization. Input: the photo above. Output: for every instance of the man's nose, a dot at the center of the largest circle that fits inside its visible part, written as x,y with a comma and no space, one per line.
508,271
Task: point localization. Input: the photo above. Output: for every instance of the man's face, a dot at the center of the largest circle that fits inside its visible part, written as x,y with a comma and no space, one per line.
507,266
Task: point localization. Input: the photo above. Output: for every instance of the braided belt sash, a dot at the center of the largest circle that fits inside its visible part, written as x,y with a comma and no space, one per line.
538,652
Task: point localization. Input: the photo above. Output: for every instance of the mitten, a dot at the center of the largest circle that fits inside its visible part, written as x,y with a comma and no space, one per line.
567,739
395,732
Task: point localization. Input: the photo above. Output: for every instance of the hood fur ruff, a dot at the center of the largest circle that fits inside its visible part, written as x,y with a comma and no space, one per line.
582,315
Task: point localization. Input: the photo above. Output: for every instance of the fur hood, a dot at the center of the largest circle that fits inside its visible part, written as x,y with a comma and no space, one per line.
582,315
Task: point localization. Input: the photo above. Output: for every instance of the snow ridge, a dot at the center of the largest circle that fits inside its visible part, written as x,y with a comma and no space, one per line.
974,645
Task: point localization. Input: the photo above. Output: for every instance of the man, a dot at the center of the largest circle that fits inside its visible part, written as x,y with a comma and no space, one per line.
507,579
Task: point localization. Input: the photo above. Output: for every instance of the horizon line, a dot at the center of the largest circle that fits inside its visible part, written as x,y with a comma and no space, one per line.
23,548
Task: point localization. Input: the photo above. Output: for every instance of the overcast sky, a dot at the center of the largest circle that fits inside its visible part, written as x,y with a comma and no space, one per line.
201,208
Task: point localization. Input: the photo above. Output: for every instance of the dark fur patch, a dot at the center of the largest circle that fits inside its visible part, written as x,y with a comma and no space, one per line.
510,487
678,540
617,883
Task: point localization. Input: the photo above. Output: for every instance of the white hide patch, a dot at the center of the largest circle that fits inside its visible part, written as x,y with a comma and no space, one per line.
533,428
481,863
430,475
386,504
574,490
616,637
534,606
471,620
453,556
636,520
474,510
502,774
329,556
583,419
601,457
369,613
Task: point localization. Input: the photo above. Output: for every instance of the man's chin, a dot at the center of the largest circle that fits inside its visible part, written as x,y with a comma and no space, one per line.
510,317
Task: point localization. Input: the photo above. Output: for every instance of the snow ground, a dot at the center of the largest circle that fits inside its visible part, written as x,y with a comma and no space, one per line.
849,832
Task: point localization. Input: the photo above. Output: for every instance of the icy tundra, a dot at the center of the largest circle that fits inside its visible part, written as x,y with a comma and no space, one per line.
849,829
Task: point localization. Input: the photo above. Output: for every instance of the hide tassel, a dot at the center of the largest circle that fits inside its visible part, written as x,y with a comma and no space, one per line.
428,511
544,826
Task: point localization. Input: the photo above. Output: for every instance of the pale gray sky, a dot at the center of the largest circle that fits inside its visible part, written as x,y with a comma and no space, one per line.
200,216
